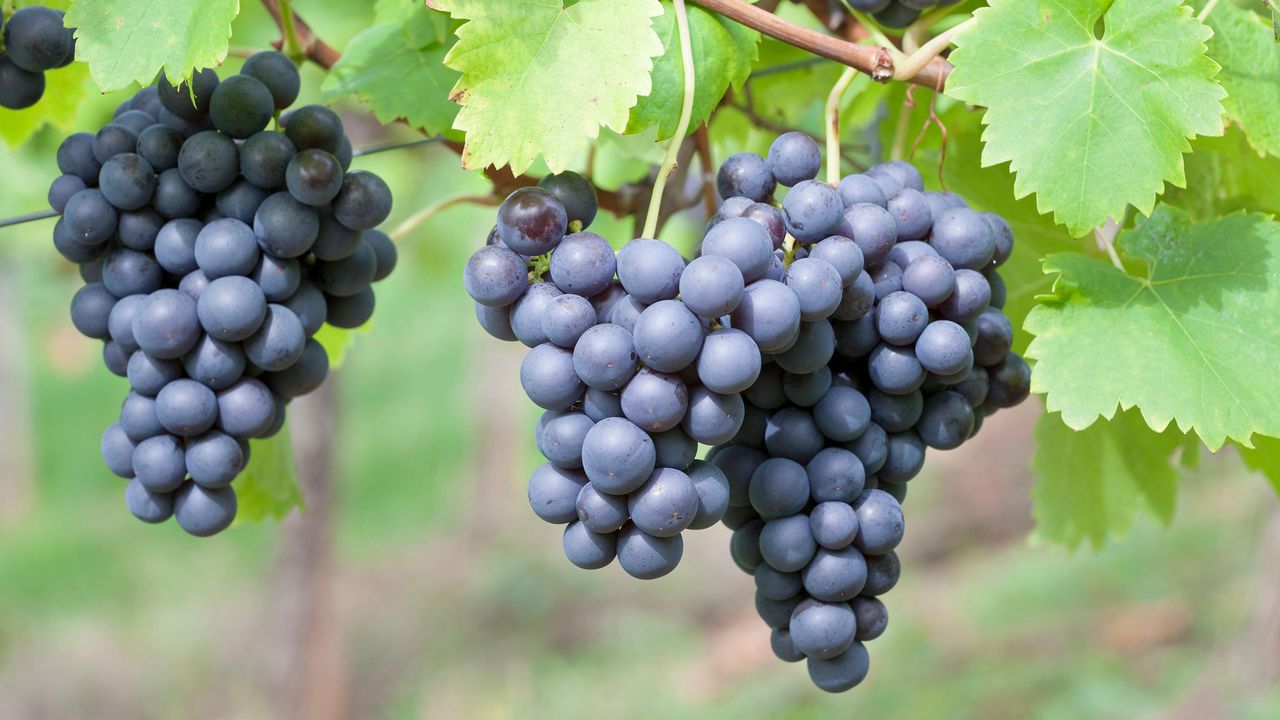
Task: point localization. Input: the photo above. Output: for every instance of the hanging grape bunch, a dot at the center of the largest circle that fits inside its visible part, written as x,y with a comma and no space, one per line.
821,348
34,41
213,249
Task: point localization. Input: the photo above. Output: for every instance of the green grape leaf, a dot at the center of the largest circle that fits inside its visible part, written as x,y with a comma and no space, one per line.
64,90
337,341
126,42
1225,176
1089,125
990,189
723,52
540,78
1092,484
1246,48
397,68
1191,340
268,487
1264,457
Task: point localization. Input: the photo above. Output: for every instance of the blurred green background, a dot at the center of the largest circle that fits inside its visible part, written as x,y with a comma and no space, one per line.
426,589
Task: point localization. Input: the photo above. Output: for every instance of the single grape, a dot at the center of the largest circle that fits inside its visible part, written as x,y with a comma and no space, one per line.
548,377
712,418
646,557
769,218
1010,382
186,408
812,211
777,487
793,158
495,276
857,189
901,317
713,494
90,218
138,417
278,342
209,161
711,286
285,227
872,228
848,669
166,325
226,247
577,195
665,504
650,270
776,585
527,312
173,197
314,177
601,512
304,376
744,548
63,187
946,422
880,523
911,212
278,73
814,345
241,105
882,573
667,336
588,549
350,311
75,155
241,201
583,264
204,511
835,575
117,451
605,357
895,413
309,304
314,126
895,370
971,297
138,229
655,401
834,525
159,463
566,318
214,362
265,158
745,175
246,409
35,39
786,543
963,238
729,361
147,506
532,221
626,312
553,493
770,313
784,648
817,285
617,456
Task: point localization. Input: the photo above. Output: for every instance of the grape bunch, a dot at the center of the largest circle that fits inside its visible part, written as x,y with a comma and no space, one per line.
34,41
820,346
897,13
213,249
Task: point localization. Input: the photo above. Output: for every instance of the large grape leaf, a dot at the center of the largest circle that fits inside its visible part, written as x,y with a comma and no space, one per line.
723,52
64,90
397,68
268,487
1089,124
1245,46
126,41
540,78
1194,339
1225,176
1092,484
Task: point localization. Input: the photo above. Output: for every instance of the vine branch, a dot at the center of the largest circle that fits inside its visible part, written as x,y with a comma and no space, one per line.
864,58
682,128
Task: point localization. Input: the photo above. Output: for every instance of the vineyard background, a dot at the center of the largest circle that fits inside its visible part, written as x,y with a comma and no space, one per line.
419,585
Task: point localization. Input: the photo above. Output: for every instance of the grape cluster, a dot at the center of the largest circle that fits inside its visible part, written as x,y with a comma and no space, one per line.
820,346
213,249
34,41
897,13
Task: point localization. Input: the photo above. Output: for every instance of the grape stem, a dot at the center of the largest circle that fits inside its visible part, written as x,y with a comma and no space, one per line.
833,123
913,64
1208,8
682,129
867,59
29,217
412,222
1105,236
291,46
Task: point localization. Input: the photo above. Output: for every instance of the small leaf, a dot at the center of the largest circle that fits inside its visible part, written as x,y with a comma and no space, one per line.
1244,45
126,41
268,487
1193,340
1264,457
1089,124
723,52
336,342
540,78
1092,484
64,90
397,68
